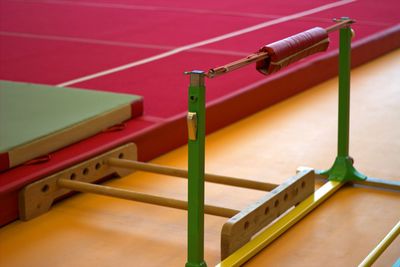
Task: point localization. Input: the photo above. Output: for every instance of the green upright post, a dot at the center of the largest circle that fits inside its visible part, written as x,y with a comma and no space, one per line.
344,92
196,149
342,169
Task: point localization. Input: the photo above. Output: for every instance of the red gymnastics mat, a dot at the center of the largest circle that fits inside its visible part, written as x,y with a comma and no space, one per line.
143,48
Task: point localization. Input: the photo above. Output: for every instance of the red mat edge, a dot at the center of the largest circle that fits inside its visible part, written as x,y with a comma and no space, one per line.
161,138
4,161
136,108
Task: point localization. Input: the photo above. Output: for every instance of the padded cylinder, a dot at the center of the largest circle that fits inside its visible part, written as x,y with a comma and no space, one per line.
289,50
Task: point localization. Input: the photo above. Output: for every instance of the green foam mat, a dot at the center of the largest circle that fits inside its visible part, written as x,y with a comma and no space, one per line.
32,113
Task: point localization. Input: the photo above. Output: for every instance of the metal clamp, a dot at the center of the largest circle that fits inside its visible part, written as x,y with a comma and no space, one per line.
191,119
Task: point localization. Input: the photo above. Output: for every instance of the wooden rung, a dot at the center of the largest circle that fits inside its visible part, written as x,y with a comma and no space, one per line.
141,197
239,229
381,247
212,178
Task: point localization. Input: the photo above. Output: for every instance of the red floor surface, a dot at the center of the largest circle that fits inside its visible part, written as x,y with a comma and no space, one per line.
56,42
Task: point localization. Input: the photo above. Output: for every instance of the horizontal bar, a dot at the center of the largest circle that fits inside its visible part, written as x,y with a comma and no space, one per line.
149,199
212,178
266,237
339,25
236,64
381,247
214,72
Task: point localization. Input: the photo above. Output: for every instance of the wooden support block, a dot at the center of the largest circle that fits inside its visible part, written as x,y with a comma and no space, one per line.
37,198
238,230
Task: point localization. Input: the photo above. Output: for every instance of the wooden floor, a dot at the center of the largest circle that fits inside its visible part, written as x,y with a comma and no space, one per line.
88,230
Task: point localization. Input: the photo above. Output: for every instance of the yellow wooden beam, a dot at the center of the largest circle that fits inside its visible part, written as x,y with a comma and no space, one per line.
279,227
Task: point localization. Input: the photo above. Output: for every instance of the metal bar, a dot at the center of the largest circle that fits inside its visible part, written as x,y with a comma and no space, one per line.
196,162
381,247
237,64
379,183
214,72
212,178
266,237
141,197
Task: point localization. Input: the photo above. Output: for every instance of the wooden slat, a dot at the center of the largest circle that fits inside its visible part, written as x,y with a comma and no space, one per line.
37,198
238,230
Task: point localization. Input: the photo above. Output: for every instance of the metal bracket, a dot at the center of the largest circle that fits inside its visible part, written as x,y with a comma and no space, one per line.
38,197
191,119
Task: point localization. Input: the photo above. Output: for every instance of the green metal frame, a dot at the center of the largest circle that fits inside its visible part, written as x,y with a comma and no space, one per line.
342,170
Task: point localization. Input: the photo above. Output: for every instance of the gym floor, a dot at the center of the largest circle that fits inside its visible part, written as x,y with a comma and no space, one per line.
137,47
89,230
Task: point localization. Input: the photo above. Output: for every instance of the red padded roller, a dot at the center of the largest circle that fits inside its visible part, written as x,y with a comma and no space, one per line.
292,49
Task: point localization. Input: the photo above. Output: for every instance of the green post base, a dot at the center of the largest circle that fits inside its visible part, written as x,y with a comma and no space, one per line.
343,171
191,264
